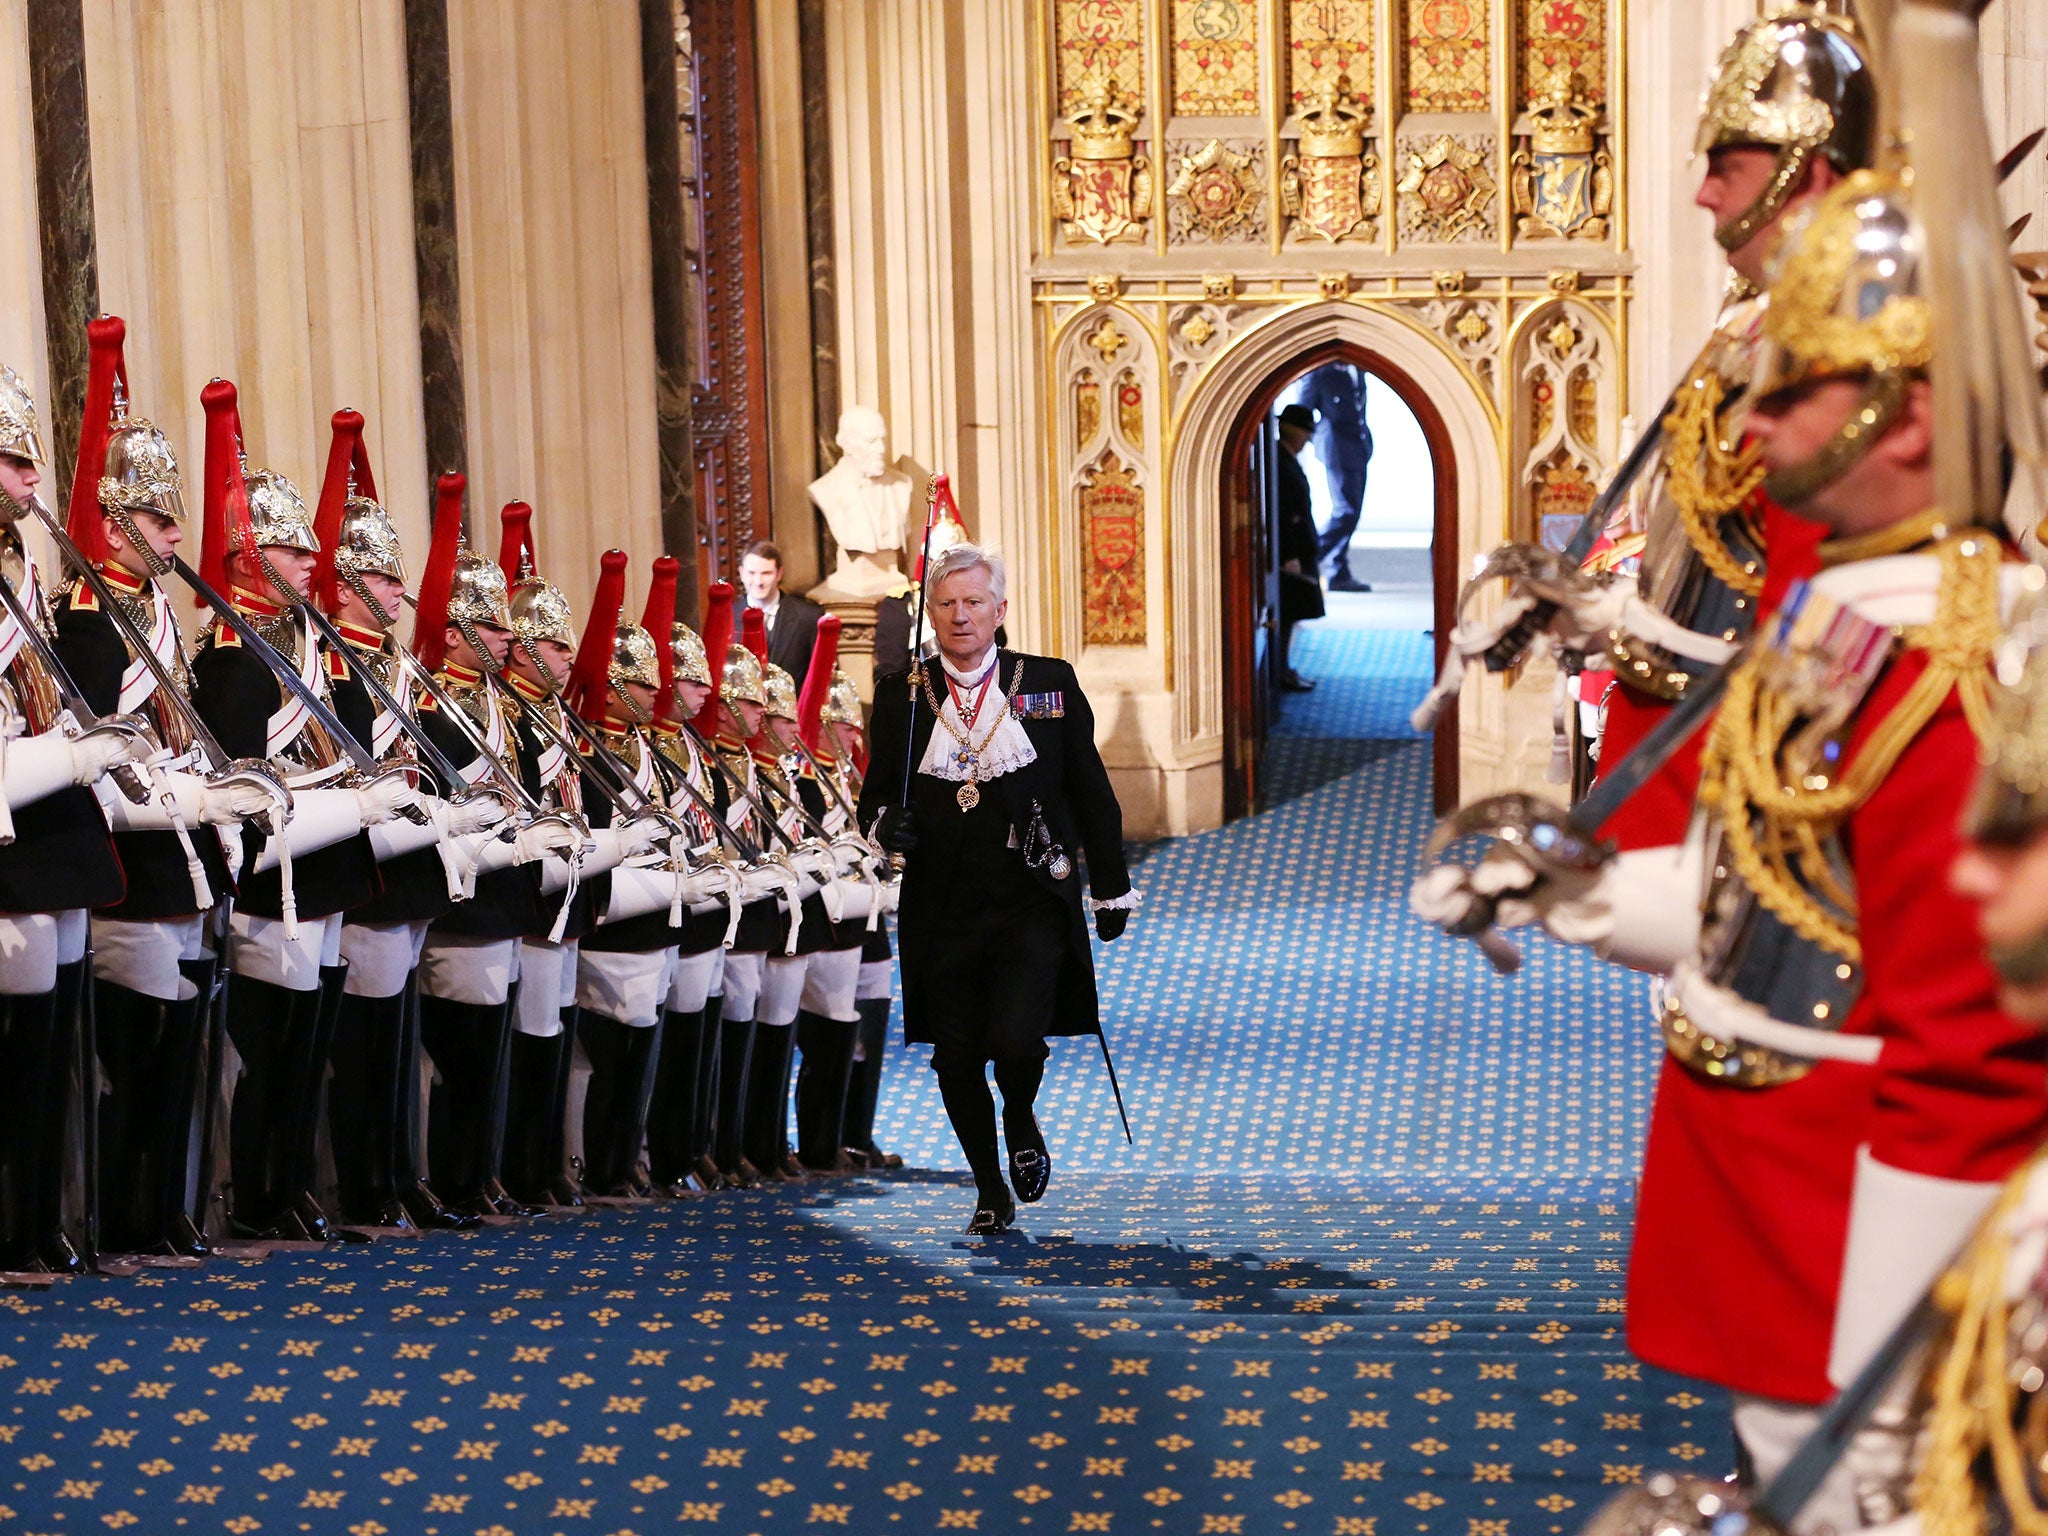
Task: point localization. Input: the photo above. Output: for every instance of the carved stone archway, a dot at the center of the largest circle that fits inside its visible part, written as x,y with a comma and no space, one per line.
1206,416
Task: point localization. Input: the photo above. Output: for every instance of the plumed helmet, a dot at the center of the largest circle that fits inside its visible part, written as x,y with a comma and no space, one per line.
278,517
842,701
540,611
687,647
20,434
1797,82
141,471
634,659
742,682
367,544
477,593
778,691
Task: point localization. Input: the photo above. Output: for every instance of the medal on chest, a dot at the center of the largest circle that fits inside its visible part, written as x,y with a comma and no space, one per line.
969,706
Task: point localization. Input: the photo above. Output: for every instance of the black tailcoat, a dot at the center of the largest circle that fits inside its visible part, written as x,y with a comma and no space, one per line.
1067,788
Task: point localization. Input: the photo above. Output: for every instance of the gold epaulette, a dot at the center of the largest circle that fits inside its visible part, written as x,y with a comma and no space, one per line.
1708,477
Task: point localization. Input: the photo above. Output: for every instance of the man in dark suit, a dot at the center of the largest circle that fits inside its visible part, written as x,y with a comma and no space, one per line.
792,621
1008,793
1301,585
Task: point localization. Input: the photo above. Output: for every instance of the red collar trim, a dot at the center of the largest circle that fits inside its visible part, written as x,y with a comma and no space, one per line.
528,688
250,602
356,635
123,580
457,673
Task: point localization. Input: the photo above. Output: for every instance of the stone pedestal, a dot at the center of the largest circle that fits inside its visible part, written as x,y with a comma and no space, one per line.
856,634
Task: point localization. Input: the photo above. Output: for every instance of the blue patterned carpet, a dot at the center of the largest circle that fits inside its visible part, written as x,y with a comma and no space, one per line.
1367,681
1361,1276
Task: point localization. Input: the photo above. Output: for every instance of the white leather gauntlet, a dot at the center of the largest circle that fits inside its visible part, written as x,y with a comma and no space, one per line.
320,818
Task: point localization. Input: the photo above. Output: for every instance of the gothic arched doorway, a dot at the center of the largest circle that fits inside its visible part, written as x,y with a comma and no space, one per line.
1249,622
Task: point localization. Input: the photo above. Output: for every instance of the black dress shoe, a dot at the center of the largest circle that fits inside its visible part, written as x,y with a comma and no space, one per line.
1030,1172
1294,682
503,1203
1344,581
745,1175
992,1216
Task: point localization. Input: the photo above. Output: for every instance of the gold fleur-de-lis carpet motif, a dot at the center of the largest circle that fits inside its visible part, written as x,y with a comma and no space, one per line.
1361,1276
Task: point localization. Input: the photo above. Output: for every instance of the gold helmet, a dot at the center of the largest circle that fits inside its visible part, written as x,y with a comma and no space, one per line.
1796,82
140,473
367,544
21,436
742,683
540,610
476,595
842,702
634,658
278,518
686,647
778,691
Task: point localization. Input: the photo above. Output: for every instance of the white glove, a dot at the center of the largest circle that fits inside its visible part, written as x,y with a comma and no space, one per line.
234,800
383,799
892,893
176,796
479,813
105,747
551,835
35,767
763,880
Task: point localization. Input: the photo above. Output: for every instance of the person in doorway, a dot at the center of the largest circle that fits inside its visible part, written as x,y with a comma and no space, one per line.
1301,587
1337,391
1009,789
792,621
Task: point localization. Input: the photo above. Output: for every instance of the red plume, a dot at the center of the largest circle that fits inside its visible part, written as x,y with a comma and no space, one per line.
104,339
344,455
943,509
818,681
430,619
225,519
516,539
717,641
587,684
754,634
656,619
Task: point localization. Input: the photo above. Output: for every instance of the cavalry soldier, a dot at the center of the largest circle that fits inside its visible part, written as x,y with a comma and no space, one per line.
283,948
828,1022
1792,109
1008,789
623,964
679,1117
54,865
1847,1093
156,949
537,668
841,749
373,1094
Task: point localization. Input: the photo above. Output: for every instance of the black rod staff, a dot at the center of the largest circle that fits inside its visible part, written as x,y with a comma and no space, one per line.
924,571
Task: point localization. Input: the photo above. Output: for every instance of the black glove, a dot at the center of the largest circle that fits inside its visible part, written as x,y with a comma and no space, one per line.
897,832
1109,923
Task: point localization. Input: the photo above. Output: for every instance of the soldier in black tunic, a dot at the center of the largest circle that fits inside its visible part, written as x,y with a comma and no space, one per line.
1008,790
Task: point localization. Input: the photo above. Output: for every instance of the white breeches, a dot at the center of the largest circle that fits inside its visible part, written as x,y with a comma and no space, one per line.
258,949
626,985
143,957
33,945
380,956
877,979
831,983
742,983
462,969
694,979
547,985
782,989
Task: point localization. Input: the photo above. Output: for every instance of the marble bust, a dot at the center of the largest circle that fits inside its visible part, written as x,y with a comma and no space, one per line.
866,502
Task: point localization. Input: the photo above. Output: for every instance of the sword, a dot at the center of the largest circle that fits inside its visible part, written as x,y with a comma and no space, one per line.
287,674
430,754
739,787
743,846
167,685
68,693
513,786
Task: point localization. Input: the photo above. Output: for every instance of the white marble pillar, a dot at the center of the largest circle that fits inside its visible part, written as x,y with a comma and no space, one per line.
23,346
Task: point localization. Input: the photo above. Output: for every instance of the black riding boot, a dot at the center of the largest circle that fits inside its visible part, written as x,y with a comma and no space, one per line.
501,1090
313,1025
532,1142
639,1064
672,1112
735,1066
821,1086
700,1158
420,1204
129,1037
365,1103
864,1090
34,1052
767,1138
259,1021
460,1037
604,1043
564,1187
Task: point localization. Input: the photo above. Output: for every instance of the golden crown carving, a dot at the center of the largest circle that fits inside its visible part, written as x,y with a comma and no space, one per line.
1331,127
1104,127
1561,122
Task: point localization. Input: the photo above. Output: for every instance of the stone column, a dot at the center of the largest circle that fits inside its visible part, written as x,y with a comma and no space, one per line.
48,256
436,267
669,291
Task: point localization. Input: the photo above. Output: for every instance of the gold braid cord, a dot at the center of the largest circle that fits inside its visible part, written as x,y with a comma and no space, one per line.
1776,832
1972,1409
1706,482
